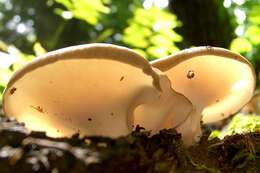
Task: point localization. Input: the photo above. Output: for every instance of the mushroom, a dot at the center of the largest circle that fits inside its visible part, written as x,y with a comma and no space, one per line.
217,82
253,106
95,89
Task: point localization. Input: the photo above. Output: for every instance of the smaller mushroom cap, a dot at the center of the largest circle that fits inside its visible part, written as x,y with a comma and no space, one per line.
218,82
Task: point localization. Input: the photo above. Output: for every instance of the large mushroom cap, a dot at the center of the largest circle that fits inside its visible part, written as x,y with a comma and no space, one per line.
218,82
92,89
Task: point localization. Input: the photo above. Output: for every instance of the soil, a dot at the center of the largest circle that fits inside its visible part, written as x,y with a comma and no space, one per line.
139,152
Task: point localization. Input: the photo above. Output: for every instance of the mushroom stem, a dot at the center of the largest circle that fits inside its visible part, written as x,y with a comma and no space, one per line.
171,109
191,128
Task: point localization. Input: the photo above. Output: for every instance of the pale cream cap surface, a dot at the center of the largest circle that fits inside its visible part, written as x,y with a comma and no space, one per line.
92,89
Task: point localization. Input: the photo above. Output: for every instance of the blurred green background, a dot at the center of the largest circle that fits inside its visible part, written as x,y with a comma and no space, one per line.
154,28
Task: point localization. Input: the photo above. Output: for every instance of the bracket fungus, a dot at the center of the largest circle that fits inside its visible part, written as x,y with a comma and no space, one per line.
95,89
217,82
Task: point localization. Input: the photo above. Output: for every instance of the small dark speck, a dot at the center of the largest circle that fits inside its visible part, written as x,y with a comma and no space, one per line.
58,130
12,91
89,119
217,100
190,74
50,82
222,114
38,108
122,78
111,113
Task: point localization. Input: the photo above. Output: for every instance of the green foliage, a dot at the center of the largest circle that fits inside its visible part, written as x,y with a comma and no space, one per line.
152,31
148,31
243,124
24,22
90,11
214,134
241,45
248,31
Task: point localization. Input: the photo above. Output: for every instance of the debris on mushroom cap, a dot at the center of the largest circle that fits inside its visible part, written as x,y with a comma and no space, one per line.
77,89
217,82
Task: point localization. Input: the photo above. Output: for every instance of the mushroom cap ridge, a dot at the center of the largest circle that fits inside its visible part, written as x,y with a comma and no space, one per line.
94,50
168,62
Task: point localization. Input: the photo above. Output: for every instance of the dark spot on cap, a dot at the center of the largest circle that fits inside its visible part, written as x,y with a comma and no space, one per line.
89,119
112,113
190,74
217,100
38,108
12,91
122,78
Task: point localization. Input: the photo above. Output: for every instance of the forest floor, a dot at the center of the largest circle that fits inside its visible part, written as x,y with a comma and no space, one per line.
25,152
